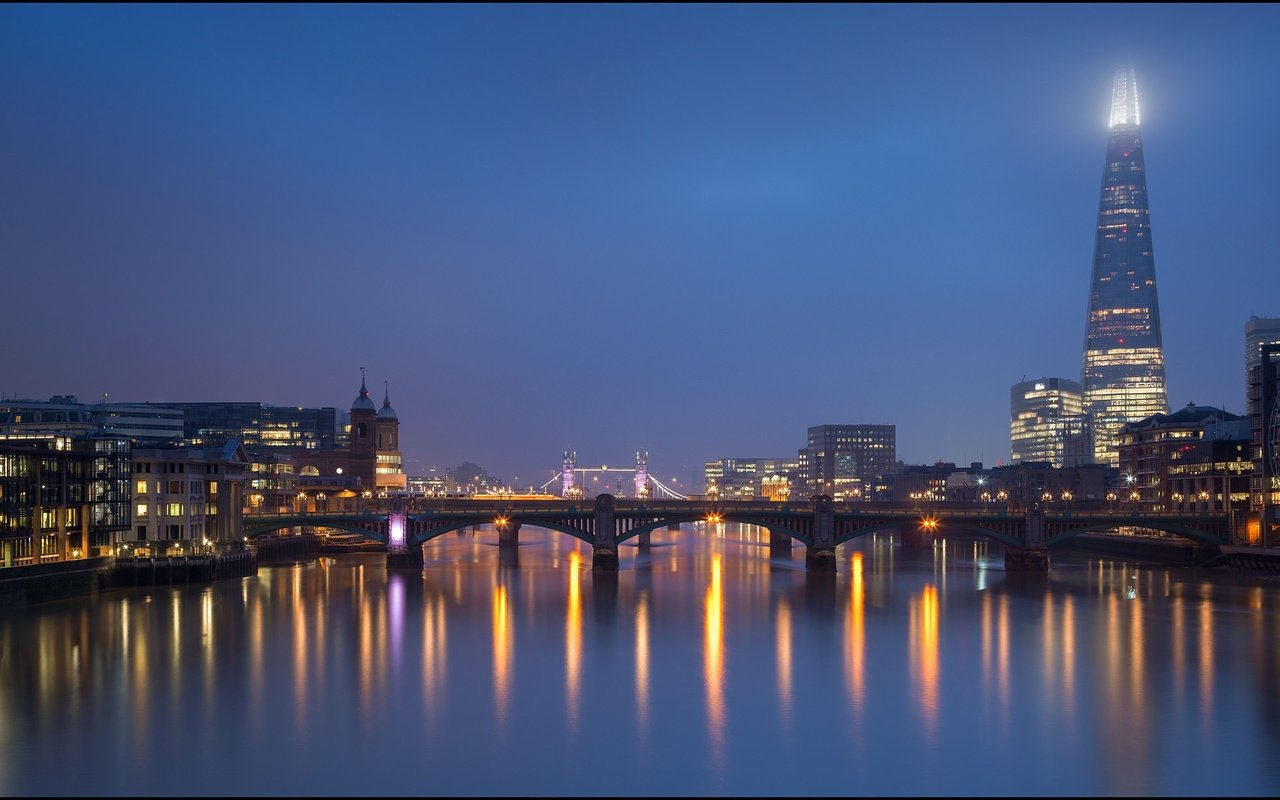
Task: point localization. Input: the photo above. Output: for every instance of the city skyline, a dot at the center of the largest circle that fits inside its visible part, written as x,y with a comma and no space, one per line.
609,229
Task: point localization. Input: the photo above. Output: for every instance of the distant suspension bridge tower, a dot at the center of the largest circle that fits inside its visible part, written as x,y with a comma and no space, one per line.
580,482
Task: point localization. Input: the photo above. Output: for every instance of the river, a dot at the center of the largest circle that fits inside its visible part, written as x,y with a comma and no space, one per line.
701,667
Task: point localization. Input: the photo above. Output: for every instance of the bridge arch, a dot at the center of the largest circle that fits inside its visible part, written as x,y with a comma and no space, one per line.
650,527
888,524
770,525
427,535
1185,532
701,516
262,529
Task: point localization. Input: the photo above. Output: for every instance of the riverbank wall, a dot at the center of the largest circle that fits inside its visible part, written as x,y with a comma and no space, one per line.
38,583
285,549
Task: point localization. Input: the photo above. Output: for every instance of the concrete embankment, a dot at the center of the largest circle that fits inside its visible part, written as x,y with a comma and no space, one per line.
37,583
1247,559
168,570
284,549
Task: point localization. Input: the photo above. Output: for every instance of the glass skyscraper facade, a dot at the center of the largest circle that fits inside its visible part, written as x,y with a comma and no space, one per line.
1123,355
1043,416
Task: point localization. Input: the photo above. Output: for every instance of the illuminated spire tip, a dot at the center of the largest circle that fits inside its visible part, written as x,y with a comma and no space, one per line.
1124,98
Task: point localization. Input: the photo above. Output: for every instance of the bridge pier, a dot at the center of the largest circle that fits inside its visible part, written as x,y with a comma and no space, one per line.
604,558
1033,556
411,558
1026,559
643,541
604,545
779,545
509,535
820,559
821,555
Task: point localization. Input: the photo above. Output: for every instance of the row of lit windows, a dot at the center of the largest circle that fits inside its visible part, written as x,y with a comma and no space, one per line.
169,509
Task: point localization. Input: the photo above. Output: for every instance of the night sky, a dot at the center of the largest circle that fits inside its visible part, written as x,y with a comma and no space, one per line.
694,230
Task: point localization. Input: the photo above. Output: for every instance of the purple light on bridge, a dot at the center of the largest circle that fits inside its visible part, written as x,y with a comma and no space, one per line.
395,537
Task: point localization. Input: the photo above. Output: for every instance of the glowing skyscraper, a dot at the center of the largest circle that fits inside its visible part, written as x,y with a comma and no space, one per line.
1123,356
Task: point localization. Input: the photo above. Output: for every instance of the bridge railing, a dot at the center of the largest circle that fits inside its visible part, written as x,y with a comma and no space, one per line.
457,507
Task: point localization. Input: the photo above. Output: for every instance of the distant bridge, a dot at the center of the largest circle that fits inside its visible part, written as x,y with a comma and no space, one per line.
571,481
820,524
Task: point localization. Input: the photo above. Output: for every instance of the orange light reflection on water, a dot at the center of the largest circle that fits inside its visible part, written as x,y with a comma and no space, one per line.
713,667
573,641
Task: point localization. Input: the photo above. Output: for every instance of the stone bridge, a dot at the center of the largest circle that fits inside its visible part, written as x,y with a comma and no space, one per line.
820,524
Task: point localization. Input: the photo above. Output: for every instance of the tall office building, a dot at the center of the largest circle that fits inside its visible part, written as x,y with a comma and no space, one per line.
1123,356
843,460
1044,415
1258,331
1262,388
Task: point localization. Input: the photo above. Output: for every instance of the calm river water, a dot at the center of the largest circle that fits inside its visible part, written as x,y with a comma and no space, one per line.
701,667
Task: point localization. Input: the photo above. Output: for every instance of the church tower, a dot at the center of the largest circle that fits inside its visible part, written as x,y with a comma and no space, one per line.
364,415
390,464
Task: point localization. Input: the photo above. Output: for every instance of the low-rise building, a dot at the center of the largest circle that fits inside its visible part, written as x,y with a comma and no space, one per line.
187,498
1157,452
751,478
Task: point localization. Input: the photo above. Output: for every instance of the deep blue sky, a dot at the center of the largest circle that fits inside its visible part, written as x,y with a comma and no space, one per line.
693,229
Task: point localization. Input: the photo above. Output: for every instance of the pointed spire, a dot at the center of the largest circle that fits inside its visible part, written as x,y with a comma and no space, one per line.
387,412
363,403
1124,98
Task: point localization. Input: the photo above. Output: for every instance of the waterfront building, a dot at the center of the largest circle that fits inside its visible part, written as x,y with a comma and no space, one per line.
1123,369
65,415
61,497
1044,416
843,460
60,415
260,425
921,482
271,482
967,485
1063,488
186,498
141,423
1262,407
427,486
1258,332
1196,449
750,478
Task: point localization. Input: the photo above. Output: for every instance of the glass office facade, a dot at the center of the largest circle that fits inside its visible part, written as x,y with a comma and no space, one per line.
1124,377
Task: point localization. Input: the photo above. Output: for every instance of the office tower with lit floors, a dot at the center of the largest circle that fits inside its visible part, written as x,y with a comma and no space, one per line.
1123,356
1044,417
